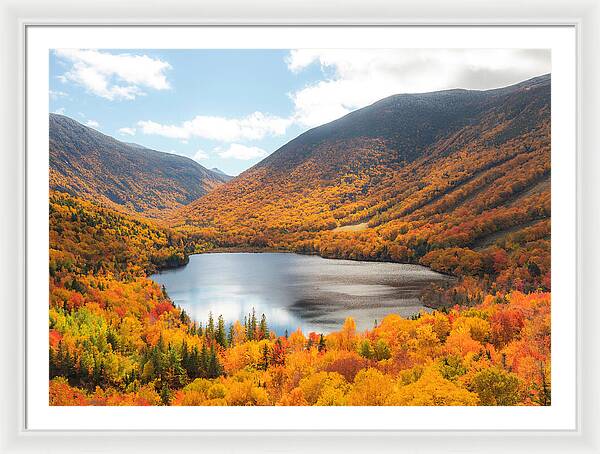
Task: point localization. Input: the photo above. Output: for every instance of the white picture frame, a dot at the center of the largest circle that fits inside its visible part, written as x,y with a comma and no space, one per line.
15,17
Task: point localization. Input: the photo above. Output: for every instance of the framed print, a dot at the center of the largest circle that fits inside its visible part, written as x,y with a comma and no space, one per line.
279,229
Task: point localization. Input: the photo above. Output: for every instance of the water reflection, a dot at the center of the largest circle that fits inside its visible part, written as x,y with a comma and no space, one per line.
294,291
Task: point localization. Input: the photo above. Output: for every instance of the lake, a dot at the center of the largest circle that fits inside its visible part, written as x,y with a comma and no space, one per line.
293,290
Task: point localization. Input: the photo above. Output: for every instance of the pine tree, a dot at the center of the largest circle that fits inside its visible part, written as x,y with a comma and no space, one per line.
265,357
230,335
264,329
52,362
204,360
183,317
252,325
111,339
98,373
174,374
68,366
210,329
214,368
185,357
165,394
157,359
196,363
220,336
60,359
365,350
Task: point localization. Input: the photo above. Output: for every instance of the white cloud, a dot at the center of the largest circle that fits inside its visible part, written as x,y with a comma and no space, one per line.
127,131
241,152
60,111
92,124
357,78
255,126
114,76
55,94
200,155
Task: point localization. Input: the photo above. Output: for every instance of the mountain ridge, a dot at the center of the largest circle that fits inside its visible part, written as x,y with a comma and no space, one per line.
428,174
87,163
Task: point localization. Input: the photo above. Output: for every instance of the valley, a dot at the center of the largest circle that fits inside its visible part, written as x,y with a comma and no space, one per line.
457,181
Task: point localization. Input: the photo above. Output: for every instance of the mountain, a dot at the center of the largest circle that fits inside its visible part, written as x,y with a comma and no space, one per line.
87,163
437,178
136,145
223,174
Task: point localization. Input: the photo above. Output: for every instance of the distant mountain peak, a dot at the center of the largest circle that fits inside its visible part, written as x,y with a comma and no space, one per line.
87,163
223,174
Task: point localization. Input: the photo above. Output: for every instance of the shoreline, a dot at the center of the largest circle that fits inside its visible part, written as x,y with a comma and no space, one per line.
244,249
259,250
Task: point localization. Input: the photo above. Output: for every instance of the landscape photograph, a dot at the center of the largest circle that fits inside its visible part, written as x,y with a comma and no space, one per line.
299,227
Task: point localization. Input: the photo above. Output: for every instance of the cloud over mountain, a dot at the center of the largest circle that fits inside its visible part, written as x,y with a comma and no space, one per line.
114,76
355,78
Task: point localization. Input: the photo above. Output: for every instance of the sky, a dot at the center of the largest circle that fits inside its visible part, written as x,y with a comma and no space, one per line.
230,108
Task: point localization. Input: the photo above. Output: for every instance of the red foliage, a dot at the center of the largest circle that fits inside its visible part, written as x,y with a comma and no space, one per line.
55,338
505,325
161,308
347,365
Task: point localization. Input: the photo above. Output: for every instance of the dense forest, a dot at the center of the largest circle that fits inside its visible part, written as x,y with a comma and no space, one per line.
458,181
117,339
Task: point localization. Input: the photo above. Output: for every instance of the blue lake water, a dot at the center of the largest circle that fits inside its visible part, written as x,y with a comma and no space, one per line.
292,290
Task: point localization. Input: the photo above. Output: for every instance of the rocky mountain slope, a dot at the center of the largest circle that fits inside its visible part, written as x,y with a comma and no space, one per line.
92,165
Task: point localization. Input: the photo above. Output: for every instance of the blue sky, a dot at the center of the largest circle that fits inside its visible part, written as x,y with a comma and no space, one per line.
231,108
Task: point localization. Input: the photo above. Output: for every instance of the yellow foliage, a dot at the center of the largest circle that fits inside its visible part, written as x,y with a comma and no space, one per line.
432,389
371,387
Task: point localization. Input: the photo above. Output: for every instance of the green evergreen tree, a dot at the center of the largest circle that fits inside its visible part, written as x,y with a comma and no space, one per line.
252,325
230,335
165,394
173,373
381,350
220,336
210,328
52,362
214,367
204,362
185,357
264,329
366,350
183,317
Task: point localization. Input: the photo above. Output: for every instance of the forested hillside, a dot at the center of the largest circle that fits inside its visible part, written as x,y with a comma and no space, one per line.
87,163
456,180
117,339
